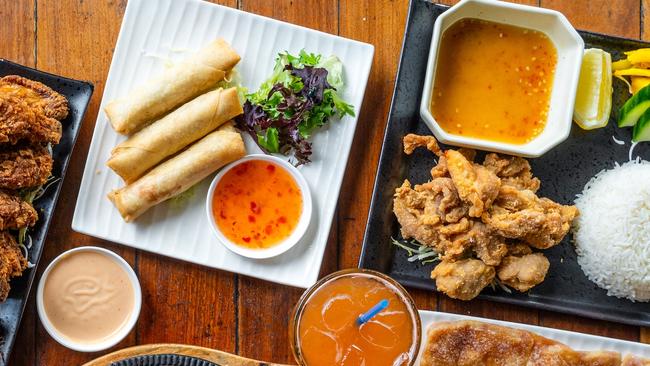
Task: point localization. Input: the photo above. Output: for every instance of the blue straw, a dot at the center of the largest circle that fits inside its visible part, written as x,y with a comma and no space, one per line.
363,318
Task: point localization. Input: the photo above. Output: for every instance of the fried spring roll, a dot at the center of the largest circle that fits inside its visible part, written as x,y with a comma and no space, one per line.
179,173
178,84
169,135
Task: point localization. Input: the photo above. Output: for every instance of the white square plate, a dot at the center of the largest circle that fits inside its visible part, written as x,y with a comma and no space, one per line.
577,341
154,32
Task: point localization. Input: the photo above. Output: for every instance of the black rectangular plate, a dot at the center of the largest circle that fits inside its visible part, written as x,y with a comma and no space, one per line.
563,172
78,94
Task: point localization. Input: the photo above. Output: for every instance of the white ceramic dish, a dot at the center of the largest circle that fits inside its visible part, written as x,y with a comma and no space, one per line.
283,246
119,335
153,31
569,47
577,341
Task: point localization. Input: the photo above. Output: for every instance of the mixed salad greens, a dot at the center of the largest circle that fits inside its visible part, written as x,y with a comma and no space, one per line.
300,96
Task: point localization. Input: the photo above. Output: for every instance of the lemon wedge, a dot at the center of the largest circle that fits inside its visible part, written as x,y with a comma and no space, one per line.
594,96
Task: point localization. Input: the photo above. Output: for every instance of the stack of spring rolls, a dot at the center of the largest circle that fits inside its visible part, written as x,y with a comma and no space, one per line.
180,130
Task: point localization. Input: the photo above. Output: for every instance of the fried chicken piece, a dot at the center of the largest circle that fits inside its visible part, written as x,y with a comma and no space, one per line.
520,214
473,343
15,213
519,249
471,236
512,170
24,166
469,154
29,111
462,279
523,273
475,184
453,239
489,247
413,141
421,211
37,95
12,262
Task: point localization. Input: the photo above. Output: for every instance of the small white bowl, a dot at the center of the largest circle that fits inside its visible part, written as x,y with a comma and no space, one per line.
119,335
287,243
569,46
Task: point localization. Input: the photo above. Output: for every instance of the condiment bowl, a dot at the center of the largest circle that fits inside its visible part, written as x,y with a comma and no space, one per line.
296,234
117,336
569,46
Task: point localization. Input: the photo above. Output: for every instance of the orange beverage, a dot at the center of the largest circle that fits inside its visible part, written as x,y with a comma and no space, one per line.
325,330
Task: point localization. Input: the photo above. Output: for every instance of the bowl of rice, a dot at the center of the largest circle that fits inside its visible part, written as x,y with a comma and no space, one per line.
612,233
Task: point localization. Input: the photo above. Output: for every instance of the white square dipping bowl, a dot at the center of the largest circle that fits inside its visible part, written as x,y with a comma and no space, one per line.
569,46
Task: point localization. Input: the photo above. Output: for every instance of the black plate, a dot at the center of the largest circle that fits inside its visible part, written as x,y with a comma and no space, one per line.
563,172
78,94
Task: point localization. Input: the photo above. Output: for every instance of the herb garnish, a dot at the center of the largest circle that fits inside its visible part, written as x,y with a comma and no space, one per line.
299,97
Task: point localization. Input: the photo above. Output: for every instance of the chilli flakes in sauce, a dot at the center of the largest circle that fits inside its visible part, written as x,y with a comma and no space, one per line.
257,204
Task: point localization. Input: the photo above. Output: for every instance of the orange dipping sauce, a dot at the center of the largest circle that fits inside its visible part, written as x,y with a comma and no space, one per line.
257,204
493,81
326,332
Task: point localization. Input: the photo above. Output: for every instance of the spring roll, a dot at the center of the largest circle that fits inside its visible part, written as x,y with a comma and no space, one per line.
179,173
169,135
177,85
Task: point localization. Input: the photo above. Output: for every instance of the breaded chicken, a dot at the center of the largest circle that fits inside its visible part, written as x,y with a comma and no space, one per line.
15,213
475,184
462,279
37,95
413,141
523,273
425,210
512,170
12,262
24,166
30,111
475,215
520,214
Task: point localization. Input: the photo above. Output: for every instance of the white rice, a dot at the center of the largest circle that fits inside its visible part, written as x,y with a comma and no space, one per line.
612,233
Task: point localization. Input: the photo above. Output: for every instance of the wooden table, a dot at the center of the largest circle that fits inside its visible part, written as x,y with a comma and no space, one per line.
185,303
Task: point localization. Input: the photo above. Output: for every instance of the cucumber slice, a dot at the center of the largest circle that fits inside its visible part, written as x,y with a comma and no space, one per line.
641,130
634,108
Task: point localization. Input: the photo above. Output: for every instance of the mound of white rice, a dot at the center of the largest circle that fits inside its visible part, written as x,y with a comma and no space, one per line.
612,233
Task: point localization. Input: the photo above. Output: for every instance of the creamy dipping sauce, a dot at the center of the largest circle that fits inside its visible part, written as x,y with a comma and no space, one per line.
88,297
493,81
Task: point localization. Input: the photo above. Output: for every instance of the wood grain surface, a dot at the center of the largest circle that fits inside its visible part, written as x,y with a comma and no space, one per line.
189,304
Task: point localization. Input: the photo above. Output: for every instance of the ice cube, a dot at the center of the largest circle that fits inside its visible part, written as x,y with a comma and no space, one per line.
337,313
323,341
378,334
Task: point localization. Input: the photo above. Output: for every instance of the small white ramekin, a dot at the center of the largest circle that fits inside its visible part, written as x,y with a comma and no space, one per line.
569,46
119,335
287,243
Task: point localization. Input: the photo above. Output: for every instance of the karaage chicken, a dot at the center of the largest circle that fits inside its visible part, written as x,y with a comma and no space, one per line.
480,219
513,170
523,273
463,279
520,214
475,184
